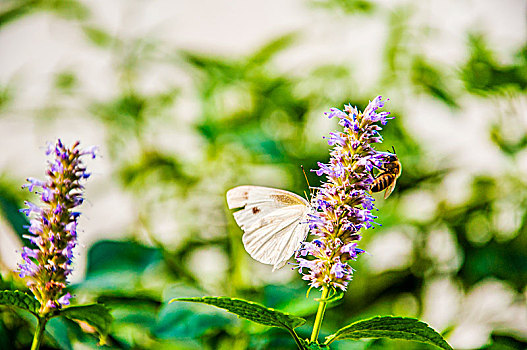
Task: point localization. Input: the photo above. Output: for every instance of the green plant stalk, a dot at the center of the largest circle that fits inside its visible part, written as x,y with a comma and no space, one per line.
320,314
39,332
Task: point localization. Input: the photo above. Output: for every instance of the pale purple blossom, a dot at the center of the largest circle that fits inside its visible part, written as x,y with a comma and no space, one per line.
53,225
343,204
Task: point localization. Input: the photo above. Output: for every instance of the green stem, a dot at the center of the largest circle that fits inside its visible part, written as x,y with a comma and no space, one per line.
39,332
320,314
297,340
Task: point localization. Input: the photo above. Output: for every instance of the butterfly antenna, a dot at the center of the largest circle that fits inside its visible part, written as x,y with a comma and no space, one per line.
394,150
307,181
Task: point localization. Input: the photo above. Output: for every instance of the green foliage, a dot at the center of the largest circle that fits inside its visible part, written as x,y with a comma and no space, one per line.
13,10
98,36
66,81
96,315
59,331
251,311
110,256
431,80
182,323
10,204
254,312
5,96
271,49
392,328
19,299
346,6
118,265
483,73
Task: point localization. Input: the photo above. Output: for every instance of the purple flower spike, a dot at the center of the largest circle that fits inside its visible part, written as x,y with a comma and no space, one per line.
343,205
53,228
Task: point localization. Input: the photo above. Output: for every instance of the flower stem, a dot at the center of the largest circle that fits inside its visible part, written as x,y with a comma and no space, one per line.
320,313
39,332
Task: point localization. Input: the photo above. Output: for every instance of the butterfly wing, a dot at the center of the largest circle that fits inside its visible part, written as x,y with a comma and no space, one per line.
273,221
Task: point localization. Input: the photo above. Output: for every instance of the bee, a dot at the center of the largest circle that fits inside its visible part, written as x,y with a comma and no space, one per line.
388,175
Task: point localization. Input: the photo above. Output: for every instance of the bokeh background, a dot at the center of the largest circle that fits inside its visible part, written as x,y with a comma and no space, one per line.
187,99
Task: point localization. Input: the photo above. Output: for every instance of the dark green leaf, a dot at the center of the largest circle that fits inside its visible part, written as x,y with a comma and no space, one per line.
251,311
19,299
115,256
57,329
10,205
96,315
5,338
180,323
392,328
15,11
483,73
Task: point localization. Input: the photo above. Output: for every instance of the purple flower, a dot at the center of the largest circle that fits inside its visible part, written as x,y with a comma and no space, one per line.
65,299
33,183
335,112
336,138
53,225
31,208
343,204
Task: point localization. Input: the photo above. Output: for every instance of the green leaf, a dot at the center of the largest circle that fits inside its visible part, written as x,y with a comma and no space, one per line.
120,256
251,311
336,296
10,204
57,329
19,299
98,36
96,315
180,323
346,6
315,346
270,49
430,79
392,328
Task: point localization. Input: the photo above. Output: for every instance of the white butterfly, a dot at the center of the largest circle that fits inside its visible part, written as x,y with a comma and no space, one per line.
274,222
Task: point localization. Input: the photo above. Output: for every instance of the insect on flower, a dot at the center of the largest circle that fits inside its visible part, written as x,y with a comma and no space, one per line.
274,222
390,171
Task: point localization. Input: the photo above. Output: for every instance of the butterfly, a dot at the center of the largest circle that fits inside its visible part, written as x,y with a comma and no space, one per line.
274,222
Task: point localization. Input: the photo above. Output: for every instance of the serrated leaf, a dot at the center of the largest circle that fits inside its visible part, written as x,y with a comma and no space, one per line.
251,311
19,299
392,328
96,315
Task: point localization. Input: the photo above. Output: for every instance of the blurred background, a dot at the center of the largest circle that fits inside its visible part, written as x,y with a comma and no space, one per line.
187,99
